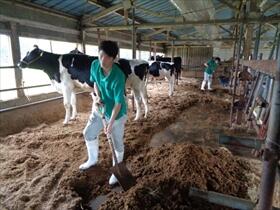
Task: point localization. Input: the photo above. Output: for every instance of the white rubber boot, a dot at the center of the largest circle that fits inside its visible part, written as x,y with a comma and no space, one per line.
203,85
113,180
209,85
92,149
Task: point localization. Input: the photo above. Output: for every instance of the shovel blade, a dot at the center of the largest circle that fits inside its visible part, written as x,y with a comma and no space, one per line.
123,175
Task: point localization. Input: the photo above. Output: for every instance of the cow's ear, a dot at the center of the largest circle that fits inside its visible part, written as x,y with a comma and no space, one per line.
35,46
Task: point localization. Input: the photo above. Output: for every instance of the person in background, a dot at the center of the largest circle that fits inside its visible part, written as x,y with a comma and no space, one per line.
210,68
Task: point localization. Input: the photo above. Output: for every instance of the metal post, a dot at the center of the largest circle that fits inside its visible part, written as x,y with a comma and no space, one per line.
272,147
237,63
133,34
257,43
222,199
172,55
133,44
16,58
277,45
233,59
150,49
273,46
155,51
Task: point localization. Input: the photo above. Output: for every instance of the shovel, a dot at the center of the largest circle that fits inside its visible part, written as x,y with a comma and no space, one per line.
121,172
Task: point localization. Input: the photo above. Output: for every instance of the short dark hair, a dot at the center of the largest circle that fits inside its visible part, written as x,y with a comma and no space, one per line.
111,48
218,59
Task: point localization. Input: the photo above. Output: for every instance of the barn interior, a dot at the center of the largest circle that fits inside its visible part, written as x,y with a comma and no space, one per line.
217,149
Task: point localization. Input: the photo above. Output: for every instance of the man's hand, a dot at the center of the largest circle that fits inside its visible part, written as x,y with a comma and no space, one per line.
108,128
98,101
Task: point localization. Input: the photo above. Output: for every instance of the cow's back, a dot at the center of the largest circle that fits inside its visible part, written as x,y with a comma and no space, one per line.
78,67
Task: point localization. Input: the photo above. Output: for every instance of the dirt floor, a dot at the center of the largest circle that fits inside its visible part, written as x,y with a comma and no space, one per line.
173,149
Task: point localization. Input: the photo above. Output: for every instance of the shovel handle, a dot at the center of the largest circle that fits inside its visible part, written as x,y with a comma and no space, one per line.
109,137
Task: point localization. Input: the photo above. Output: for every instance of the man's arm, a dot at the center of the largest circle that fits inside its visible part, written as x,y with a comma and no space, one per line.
98,101
115,112
119,98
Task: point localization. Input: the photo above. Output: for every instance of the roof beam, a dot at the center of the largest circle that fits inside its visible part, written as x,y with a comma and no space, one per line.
103,13
155,14
226,30
36,7
231,39
156,32
168,25
124,13
189,40
227,3
270,6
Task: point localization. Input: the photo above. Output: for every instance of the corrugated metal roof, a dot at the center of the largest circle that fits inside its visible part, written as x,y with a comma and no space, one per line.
147,11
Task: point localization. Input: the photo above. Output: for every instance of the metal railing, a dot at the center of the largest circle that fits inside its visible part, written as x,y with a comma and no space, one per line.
22,88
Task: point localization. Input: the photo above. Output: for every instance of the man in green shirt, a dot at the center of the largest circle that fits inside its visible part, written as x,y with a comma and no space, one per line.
211,67
109,88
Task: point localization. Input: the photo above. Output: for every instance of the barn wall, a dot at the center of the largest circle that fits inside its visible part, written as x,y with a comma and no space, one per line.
15,120
223,53
192,57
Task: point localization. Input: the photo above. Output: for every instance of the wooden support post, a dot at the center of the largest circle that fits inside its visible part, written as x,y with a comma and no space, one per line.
155,50
248,41
106,34
98,37
16,58
125,12
138,48
83,38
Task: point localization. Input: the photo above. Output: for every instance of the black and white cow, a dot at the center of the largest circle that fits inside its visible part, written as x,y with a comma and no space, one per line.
177,64
69,71
163,70
139,90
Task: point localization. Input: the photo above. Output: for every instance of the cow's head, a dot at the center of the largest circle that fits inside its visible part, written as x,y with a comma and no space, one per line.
76,51
31,57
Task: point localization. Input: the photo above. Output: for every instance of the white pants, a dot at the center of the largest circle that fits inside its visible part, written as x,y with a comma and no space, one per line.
207,79
95,125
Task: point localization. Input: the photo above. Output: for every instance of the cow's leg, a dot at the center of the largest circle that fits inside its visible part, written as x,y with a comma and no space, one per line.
144,96
172,84
137,99
171,81
177,77
66,91
74,106
146,80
